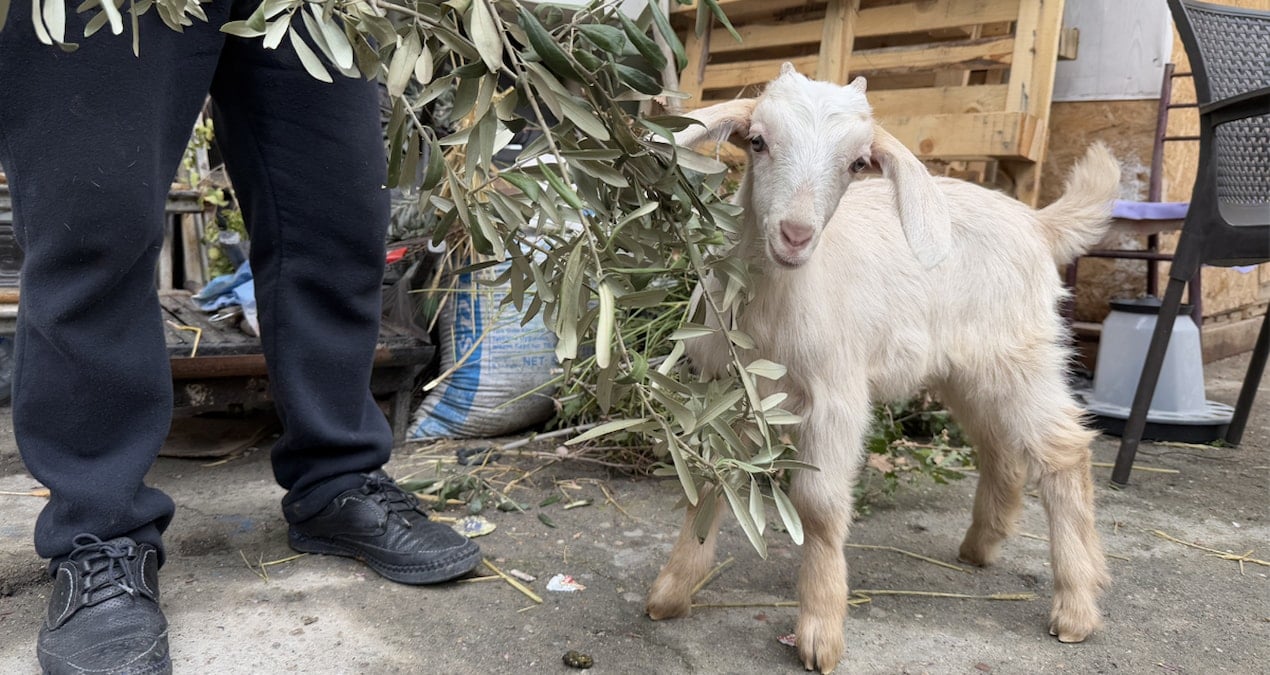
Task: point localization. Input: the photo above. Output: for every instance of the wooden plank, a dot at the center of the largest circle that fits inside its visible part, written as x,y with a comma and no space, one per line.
941,100
759,36
985,54
738,8
876,22
837,40
1069,44
697,51
914,17
924,100
192,248
1004,135
1045,57
754,72
164,273
960,77
1035,56
1031,85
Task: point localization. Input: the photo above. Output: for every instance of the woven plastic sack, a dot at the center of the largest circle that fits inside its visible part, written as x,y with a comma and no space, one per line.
501,362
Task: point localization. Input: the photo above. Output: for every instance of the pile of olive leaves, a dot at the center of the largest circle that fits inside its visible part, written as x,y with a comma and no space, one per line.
617,208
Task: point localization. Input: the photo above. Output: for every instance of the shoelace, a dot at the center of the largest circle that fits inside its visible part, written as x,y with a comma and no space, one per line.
105,565
398,501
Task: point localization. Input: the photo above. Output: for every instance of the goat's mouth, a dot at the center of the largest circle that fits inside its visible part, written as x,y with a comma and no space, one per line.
789,259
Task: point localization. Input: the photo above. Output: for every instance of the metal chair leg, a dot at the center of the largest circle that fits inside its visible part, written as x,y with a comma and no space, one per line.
1137,422
1235,432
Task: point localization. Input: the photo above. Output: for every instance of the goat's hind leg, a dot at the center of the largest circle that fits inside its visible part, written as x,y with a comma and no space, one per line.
1062,466
690,561
1031,420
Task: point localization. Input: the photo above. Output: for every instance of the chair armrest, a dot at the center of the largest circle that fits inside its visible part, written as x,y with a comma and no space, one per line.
1247,104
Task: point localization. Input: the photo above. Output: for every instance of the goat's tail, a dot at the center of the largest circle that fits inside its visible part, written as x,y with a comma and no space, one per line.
1081,217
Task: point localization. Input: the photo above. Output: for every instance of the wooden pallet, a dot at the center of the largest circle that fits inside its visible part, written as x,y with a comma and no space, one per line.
955,80
218,367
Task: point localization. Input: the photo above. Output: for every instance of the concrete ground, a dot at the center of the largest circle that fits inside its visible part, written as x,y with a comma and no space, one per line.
1171,609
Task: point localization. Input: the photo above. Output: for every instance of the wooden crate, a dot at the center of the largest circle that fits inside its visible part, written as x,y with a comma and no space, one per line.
965,84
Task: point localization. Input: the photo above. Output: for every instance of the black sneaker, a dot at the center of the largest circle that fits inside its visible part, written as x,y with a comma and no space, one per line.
104,615
382,525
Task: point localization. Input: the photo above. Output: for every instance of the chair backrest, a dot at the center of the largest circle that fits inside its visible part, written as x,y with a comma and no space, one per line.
1229,50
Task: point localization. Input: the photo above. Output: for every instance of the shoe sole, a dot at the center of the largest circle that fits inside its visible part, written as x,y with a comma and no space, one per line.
163,666
414,575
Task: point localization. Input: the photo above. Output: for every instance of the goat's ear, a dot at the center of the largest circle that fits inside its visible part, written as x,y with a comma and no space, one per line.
859,84
922,207
718,121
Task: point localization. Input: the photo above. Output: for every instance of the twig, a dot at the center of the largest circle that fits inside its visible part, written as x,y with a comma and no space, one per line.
279,561
512,445
462,360
37,492
258,572
261,564
514,584
936,594
609,499
434,499
910,554
1224,555
1136,467
576,457
710,577
1195,446
525,475
198,335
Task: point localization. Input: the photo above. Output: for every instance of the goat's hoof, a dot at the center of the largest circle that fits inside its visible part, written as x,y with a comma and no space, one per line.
667,604
820,644
1073,621
978,554
659,611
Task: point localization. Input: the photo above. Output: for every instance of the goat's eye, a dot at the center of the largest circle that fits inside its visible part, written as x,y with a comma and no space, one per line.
757,144
859,165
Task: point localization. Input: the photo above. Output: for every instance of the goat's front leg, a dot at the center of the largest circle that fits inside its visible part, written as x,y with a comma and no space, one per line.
690,561
831,440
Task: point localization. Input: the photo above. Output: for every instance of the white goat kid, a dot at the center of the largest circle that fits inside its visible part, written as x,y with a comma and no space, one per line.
867,291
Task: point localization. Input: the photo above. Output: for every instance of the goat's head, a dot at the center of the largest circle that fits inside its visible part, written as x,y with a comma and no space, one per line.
807,141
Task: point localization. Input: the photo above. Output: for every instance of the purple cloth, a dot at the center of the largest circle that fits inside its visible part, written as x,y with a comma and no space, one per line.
1149,210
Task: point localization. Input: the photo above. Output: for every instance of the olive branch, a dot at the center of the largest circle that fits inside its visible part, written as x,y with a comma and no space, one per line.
601,216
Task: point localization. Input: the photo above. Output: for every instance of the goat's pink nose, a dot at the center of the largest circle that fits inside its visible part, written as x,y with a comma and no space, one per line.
796,235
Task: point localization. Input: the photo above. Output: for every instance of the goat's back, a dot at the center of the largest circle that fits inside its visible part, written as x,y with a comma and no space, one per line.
864,304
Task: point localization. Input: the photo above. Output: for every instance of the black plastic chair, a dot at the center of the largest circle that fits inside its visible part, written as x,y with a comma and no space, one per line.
1228,223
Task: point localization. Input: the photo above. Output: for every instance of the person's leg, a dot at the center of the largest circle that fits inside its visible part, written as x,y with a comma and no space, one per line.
307,162
90,141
